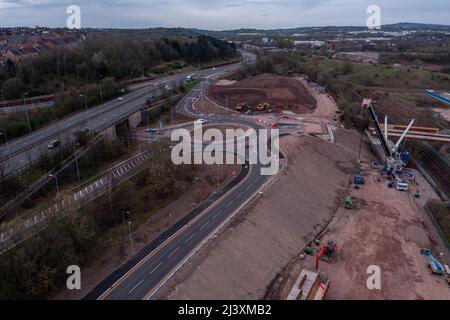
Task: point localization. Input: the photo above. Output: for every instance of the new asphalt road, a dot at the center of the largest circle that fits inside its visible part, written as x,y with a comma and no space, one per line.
149,269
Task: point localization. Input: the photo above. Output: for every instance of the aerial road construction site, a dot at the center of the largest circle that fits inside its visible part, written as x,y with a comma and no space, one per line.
349,215
345,206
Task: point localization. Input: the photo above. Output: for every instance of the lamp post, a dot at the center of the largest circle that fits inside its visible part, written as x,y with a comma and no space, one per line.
7,144
76,160
3,98
124,224
203,98
26,111
226,104
101,95
86,110
131,238
56,179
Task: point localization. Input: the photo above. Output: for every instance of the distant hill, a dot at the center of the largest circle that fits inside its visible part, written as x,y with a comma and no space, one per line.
325,29
417,26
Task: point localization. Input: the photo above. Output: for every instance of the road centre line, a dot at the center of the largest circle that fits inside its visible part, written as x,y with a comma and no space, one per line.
173,252
159,265
136,286
187,240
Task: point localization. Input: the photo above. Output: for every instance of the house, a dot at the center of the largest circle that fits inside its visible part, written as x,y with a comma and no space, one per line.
21,55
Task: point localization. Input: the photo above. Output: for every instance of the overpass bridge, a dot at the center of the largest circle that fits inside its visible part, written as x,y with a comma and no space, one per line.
101,119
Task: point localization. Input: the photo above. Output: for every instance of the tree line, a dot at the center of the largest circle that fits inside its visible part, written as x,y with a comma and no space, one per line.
116,56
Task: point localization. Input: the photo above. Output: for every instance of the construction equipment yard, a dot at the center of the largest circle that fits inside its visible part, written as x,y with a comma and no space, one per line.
270,248
282,93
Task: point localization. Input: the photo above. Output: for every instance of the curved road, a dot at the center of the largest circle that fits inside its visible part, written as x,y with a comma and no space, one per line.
19,152
150,269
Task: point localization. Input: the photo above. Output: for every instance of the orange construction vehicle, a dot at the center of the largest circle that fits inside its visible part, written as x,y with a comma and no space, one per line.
328,252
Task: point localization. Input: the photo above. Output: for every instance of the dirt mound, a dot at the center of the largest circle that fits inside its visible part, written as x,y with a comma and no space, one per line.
283,93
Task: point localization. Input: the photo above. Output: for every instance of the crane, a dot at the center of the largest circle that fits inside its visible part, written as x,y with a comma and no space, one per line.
395,161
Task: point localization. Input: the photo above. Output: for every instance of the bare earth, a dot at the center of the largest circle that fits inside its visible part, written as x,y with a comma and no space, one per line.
243,260
388,231
283,93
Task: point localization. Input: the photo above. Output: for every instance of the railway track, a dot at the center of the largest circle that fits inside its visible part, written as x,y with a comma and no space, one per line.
435,165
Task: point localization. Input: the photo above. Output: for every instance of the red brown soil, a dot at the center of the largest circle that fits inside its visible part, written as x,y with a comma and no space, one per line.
245,257
283,93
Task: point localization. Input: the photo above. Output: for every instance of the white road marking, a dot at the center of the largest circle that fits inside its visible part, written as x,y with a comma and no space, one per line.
251,185
204,225
218,212
136,286
187,240
239,195
159,265
229,204
173,252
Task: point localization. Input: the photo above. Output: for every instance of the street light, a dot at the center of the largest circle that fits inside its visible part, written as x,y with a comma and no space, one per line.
3,98
101,95
86,110
56,179
26,110
124,224
7,144
131,238
76,159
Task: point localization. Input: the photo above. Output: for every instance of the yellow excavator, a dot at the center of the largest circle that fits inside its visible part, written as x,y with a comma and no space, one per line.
263,106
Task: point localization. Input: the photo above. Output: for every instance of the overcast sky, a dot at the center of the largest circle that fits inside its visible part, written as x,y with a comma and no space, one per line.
220,14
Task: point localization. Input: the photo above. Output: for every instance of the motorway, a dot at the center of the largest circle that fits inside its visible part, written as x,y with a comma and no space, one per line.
19,152
144,274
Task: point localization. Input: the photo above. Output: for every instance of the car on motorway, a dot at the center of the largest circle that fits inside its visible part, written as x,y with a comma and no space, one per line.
151,130
54,144
190,77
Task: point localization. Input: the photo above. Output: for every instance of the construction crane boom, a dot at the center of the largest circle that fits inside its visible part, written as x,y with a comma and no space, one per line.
397,145
367,103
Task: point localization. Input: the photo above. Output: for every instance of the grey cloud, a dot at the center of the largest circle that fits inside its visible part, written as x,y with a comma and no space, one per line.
219,14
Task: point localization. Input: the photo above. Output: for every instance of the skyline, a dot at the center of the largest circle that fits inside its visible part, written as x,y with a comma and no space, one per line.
218,15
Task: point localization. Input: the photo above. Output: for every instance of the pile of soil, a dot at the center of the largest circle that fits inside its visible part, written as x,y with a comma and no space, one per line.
283,93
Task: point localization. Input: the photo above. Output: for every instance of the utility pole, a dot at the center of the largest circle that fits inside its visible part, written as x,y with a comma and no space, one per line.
86,110
203,99
56,180
7,144
101,95
110,193
76,160
124,224
131,238
26,111
226,104
3,98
